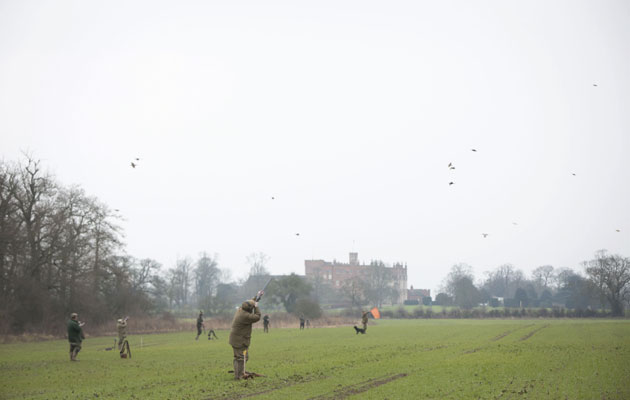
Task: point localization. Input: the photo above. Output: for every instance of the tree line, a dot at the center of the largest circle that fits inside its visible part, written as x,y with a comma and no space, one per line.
62,251
604,284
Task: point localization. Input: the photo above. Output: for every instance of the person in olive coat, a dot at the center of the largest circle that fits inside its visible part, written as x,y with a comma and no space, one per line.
364,320
266,323
75,335
241,334
200,324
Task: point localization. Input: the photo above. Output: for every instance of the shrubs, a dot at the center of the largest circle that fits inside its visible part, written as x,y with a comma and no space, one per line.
458,313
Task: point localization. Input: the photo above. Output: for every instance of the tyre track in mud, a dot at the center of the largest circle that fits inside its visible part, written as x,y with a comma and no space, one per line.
497,338
261,392
504,334
530,334
361,387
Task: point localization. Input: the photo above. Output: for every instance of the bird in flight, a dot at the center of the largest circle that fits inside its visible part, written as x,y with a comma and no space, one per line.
273,198
514,223
484,235
133,165
451,183
475,150
618,230
573,173
594,84
451,166
297,234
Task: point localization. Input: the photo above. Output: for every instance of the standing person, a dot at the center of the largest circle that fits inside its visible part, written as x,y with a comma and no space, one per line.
75,335
266,323
121,326
364,320
199,324
241,334
301,321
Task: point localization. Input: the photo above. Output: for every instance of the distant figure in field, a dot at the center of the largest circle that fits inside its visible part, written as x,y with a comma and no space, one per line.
75,335
266,323
301,321
241,334
308,323
199,324
364,320
211,333
121,326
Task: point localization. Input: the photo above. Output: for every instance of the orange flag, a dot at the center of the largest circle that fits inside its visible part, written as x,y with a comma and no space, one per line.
375,313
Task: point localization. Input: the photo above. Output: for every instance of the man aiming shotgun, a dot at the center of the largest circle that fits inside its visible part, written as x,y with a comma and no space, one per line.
241,333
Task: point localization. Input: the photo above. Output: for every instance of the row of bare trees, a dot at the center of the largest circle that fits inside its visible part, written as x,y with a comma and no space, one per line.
60,252
604,284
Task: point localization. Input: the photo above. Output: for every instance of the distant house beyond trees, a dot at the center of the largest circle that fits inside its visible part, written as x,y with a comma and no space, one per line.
387,284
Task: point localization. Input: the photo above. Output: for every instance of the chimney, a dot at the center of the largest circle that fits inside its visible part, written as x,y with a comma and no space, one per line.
354,258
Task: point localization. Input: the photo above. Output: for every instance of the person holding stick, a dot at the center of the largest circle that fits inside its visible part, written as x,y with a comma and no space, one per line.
241,334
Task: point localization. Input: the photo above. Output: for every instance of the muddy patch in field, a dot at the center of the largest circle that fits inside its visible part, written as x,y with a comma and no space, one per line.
504,334
472,351
347,391
287,383
530,334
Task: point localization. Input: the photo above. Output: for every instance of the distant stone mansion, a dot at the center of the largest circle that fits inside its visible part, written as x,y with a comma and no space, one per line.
336,273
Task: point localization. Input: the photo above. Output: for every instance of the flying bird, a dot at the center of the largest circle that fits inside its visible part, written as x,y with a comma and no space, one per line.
484,235
618,230
451,183
475,150
514,223
137,159
297,234
573,174
133,165
273,198
594,84
451,166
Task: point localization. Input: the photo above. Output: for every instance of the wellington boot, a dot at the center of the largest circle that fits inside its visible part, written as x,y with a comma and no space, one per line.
239,369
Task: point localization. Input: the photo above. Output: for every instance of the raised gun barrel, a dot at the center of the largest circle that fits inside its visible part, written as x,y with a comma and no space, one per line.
260,293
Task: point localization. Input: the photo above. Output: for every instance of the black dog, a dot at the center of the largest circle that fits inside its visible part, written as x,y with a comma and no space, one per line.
359,330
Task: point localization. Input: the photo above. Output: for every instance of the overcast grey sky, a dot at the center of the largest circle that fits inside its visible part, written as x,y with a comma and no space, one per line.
347,112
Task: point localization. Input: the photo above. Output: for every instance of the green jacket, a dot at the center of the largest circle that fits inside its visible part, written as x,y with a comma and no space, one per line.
241,333
75,332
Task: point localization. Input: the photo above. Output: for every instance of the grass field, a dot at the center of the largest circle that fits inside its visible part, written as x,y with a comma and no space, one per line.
396,359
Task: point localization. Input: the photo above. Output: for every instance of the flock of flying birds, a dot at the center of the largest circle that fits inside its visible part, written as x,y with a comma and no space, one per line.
134,164
485,235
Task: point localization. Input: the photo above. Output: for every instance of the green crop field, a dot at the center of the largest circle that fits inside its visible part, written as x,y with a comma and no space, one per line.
396,359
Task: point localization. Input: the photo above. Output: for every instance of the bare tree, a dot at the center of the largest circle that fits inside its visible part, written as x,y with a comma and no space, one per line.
257,263
611,274
353,290
503,281
379,284
543,276
459,285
